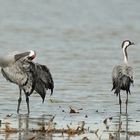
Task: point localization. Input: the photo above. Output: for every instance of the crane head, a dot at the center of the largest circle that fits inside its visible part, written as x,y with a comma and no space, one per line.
127,43
32,55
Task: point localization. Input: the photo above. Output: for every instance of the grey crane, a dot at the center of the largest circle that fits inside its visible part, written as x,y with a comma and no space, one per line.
122,75
19,68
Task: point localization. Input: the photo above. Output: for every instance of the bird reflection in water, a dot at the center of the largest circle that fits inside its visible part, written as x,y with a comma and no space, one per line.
122,128
27,125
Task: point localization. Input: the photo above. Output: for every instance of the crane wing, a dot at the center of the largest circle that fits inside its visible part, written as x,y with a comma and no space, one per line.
44,80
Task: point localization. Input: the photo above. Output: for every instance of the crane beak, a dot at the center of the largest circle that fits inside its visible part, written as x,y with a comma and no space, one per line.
132,43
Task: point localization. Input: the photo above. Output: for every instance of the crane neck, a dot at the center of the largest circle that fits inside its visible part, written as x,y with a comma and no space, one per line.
11,58
125,55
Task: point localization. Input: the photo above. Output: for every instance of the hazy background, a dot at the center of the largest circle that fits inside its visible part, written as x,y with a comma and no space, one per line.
80,41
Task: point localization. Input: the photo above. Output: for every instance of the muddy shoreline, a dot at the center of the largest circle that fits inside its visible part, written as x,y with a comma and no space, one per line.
45,126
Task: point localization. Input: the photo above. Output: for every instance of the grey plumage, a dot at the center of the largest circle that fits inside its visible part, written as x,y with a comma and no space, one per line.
122,75
29,76
44,80
122,78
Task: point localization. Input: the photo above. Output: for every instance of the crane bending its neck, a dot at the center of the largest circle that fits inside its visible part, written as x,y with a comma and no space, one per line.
11,58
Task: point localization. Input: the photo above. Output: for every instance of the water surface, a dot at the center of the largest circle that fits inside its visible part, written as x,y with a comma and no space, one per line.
80,41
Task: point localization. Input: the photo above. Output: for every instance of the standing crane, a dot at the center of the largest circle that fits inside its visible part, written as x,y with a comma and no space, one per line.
122,75
19,68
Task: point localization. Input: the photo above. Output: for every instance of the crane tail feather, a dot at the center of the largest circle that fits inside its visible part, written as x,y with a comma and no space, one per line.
123,83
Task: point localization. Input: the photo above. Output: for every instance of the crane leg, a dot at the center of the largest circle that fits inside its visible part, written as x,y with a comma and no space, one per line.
120,102
19,100
27,101
126,101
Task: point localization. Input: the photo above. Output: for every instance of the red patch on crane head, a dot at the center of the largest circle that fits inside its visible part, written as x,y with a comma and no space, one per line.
32,54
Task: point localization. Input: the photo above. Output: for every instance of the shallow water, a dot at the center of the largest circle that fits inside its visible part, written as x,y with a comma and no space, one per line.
80,41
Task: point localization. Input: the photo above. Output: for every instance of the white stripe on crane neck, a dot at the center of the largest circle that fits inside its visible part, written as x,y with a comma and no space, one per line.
125,54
